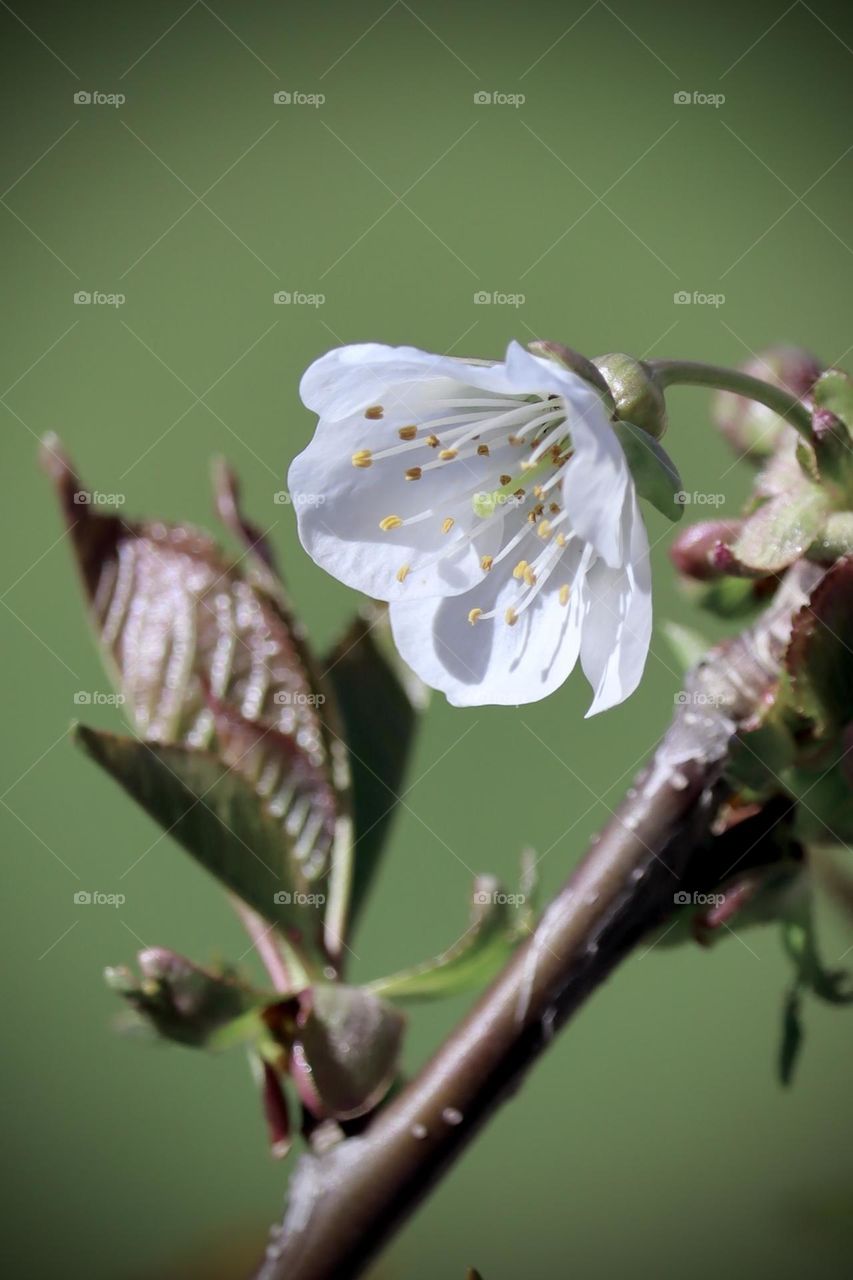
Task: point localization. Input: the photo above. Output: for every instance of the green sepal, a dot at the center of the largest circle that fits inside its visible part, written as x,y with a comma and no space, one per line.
655,475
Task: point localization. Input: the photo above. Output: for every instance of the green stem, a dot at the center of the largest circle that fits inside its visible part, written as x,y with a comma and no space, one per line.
693,373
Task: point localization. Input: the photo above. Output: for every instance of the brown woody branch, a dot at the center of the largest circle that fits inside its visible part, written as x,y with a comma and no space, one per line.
345,1203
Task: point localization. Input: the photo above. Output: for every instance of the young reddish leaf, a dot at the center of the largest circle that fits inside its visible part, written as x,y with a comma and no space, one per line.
819,654
208,658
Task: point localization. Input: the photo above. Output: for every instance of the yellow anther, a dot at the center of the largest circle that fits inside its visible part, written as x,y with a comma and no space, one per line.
486,563
473,615
390,522
447,455
538,491
403,573
518,571
407,433
544,529
414,473
447,525
511,617
433,441
564,594
529,577
362,458
561,539
375,411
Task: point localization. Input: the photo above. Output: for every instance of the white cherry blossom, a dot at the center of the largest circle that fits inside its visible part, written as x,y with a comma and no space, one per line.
492,506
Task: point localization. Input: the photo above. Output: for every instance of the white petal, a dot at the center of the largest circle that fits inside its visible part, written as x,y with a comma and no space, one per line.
339,506
350,378
595,484
617,624
492,662
597,476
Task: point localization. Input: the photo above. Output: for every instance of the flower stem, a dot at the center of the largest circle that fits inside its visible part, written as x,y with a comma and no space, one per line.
693,373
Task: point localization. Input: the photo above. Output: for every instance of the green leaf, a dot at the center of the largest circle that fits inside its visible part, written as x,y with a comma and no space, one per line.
214,813
379,719
655,474
819,655
347,1049
493,932
782,530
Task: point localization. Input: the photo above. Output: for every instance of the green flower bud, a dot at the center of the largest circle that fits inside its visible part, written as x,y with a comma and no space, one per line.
635,392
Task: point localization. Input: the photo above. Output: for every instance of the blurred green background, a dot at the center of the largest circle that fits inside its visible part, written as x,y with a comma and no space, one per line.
653,1139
